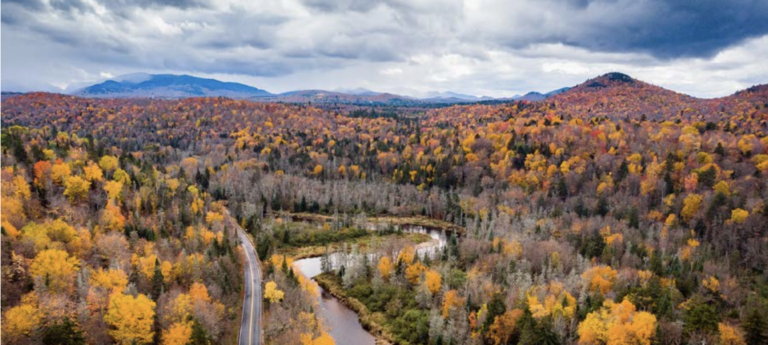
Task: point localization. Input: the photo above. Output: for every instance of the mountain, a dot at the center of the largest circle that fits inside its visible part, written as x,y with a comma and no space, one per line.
531,96
168,86
435,95
358,91
538,96
617,93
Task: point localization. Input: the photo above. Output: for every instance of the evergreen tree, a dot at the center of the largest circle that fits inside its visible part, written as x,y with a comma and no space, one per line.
157,281
199,335
63,332
755,327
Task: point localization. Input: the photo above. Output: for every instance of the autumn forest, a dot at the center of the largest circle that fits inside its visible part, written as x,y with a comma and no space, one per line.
616,212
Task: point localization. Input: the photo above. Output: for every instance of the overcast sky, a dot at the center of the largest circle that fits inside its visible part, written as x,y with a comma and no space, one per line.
705,48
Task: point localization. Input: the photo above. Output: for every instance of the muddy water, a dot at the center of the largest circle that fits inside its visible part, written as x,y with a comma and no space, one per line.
345,327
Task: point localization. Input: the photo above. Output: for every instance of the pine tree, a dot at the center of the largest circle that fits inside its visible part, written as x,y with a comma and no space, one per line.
64,332
755,327
199,336
157,281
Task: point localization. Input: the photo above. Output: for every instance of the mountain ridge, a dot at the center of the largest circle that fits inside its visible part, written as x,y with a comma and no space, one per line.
614,85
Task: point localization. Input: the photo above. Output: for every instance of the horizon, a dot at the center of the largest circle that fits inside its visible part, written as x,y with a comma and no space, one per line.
486,48
352,91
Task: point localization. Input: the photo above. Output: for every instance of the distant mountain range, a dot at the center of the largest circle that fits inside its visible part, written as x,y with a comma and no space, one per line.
168,86
627,95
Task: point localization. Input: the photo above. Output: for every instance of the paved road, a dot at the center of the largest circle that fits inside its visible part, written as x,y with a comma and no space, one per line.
250,325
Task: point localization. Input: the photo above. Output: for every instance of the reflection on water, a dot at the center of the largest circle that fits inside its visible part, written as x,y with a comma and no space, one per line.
345,328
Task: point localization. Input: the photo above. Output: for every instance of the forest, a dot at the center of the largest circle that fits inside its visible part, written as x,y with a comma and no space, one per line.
614,213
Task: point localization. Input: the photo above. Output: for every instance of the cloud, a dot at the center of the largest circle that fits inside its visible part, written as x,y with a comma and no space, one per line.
491,47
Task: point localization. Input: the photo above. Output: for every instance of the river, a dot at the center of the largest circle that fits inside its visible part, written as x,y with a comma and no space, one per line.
344,325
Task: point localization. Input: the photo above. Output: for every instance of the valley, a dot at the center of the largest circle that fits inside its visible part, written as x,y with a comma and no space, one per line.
613,212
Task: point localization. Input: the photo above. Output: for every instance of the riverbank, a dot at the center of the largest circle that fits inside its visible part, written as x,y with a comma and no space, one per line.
394,220
298,253
331,283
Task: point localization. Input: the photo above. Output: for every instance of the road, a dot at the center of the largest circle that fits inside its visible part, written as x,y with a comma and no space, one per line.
250,325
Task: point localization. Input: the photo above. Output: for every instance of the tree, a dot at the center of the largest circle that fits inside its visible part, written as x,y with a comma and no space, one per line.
700,316
691,205
92,172
131,318
56,267
504,326
76,189
60,172
178,334
20,321
451,300
600,278
158,281
112,218
108,163
111,280
199,336
385,267
729,335
738,215
433,280
63,332
413,272
617,324
271,293
755,326
113,189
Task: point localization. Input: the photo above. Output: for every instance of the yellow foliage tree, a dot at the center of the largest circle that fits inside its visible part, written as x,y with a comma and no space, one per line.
76,188
112,218
113,189
59,230
729,335
451,300
556,301
199,292
723,188
711,284
108,163
413,272
600,278
406,255
19,321
617,324
111,280
131,318
739,215
690,206
92,172
271,293
56,267
323,339
433,280
122,177
503,326
178,334
385,267
60,172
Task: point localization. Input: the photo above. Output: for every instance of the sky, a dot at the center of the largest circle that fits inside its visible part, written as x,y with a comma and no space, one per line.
498,48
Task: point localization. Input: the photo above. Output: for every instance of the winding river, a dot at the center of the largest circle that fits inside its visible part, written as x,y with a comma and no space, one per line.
345,327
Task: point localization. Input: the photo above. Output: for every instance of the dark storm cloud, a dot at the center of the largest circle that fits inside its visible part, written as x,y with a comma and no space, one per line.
677,28
662,28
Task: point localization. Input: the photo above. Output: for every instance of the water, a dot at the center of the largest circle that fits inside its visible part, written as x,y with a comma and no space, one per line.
345,327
